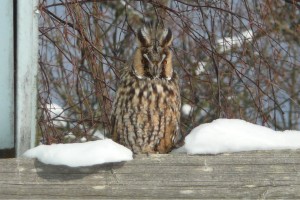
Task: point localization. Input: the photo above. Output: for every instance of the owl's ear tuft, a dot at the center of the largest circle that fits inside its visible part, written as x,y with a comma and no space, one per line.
166,38
143,37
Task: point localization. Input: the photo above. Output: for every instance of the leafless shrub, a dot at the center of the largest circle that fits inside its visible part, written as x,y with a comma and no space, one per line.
236,59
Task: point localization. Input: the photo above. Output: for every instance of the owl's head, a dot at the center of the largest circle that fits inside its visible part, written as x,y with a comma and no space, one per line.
153,58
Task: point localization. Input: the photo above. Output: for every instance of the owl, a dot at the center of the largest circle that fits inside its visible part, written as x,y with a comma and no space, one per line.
146,109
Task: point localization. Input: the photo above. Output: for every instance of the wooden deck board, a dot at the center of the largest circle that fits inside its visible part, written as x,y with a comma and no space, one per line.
251,175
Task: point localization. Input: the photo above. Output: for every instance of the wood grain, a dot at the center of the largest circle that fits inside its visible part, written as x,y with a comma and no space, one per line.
250,175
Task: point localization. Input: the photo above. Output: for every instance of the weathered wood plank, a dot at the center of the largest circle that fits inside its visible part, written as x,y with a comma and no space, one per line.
251,175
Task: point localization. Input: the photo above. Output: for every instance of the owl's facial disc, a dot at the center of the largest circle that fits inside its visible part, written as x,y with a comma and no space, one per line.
155,66
152,58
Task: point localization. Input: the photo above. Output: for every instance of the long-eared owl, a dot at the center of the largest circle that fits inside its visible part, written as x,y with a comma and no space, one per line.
146,109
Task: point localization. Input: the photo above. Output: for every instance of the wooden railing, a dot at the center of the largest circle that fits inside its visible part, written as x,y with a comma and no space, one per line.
250,175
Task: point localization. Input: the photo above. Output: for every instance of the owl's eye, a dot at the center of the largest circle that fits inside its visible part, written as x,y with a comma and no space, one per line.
163,60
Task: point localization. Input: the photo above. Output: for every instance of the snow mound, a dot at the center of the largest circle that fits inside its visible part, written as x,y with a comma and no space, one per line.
234,135
80,154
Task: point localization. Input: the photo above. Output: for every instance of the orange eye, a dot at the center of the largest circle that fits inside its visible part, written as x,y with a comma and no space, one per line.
165,62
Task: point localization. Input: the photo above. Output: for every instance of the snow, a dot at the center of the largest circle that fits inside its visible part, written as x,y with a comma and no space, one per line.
235,135
186,109
201,67
227,43
99,135
57,114
70,136
219,136
80,154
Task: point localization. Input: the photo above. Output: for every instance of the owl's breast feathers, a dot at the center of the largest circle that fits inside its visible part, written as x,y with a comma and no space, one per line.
146,113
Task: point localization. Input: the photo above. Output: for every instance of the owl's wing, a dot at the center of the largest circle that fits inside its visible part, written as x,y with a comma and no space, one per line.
114,133
177,134
179,140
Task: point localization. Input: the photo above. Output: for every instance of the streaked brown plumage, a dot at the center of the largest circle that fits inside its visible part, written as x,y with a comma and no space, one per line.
146,111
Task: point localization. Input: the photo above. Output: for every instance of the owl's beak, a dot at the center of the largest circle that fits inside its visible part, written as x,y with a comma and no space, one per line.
156,70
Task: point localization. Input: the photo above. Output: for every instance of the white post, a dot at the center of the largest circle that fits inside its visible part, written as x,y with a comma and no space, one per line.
26,90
